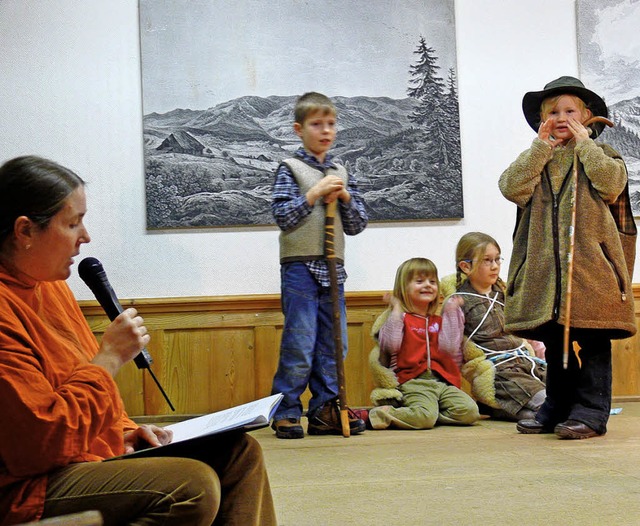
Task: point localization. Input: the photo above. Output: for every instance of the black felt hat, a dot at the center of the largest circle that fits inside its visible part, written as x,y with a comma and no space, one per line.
563,86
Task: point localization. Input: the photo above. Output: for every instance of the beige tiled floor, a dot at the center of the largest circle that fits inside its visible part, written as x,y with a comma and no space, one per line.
487,474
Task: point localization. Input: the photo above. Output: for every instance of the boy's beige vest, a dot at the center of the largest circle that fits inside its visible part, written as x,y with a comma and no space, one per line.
305,242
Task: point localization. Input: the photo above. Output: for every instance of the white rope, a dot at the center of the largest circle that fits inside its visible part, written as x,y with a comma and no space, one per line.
489,309
508,354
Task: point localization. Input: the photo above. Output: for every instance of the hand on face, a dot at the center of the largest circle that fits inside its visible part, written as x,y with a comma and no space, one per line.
563,122
573,128
580,132
544,133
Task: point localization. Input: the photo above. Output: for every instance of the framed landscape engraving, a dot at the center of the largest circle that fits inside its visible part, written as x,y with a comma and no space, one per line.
609,56
220,80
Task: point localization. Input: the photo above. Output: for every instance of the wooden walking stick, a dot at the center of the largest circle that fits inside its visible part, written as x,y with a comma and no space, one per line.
330,254
572,238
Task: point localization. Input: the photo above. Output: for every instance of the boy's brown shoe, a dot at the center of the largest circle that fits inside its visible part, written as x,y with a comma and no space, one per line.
288,428
327,421
572,429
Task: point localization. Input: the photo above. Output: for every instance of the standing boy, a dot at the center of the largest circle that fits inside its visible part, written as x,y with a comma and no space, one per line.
304,185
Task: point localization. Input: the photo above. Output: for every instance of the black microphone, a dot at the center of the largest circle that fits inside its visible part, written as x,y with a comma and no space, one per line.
92,273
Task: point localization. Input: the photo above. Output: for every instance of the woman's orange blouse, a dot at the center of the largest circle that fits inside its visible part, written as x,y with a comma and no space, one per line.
57,407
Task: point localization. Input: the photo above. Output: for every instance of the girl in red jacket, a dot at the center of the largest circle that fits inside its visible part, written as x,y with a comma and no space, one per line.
429,379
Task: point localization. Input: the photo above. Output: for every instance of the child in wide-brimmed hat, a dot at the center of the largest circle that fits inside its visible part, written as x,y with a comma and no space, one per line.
539,181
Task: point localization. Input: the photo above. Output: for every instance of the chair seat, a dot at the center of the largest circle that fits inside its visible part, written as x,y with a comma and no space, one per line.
85,518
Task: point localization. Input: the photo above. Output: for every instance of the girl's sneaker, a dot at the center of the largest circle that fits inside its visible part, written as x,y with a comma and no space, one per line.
363,414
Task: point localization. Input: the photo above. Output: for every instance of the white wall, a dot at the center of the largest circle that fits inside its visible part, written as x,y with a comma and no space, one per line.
70,90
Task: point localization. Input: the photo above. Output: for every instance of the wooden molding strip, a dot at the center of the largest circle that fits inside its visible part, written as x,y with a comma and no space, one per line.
248,302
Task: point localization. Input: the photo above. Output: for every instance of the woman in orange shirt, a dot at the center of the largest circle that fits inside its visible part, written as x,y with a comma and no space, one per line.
62,413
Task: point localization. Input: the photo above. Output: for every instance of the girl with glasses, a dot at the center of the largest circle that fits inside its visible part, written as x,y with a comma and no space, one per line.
506,374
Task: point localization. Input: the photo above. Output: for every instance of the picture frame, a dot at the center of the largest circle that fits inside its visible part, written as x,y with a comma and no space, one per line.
220,81
608,44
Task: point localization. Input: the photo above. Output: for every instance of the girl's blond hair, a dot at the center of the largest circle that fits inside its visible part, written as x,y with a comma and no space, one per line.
471,248
406,272
551,102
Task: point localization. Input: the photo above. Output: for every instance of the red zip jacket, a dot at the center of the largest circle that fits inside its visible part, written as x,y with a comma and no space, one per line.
414,354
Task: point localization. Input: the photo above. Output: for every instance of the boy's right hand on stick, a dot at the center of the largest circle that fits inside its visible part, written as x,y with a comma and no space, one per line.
329,187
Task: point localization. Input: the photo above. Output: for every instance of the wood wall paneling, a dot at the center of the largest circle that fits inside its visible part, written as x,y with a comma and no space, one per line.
218,352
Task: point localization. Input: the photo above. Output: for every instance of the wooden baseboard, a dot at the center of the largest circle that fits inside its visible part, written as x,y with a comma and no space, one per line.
625,399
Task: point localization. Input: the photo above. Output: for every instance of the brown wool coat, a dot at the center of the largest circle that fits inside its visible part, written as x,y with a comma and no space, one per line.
601,288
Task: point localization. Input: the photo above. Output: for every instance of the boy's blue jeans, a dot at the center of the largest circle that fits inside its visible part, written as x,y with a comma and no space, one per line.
307,349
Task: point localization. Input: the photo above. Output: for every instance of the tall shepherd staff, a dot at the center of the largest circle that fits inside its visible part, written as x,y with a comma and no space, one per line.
572,238
330,255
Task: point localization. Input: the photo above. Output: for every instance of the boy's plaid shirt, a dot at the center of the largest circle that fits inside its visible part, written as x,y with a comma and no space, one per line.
289,207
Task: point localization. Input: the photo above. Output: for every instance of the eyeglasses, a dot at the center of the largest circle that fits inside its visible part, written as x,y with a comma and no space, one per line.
487,262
